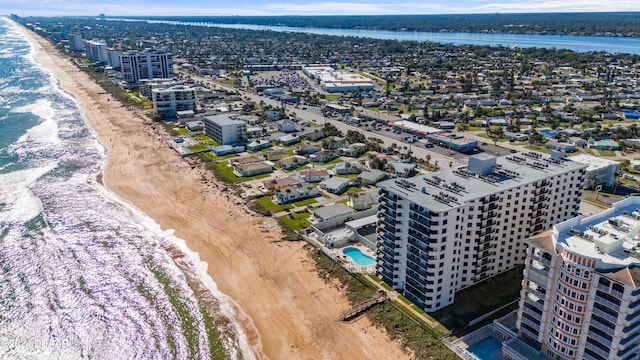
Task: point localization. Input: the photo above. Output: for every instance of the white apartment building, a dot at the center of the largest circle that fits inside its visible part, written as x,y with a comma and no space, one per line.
226,129
600,171
76,44
167,102
145,64
145,86
96,51
440,233
113,58
580,294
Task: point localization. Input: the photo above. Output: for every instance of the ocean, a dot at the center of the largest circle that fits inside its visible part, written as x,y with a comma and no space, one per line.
83,273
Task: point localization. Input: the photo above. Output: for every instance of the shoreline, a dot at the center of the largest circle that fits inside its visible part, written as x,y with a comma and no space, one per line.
290,311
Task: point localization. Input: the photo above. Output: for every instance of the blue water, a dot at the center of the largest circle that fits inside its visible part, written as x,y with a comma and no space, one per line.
614,45
84,274
358,257
485,348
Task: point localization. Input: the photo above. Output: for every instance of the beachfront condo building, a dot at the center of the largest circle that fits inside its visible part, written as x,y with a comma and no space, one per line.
96,51
76,44
168,102
145,64
146,86
113,58
226,129
580,295
443,232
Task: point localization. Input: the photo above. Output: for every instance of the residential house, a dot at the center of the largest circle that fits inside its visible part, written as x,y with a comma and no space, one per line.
349,168
307,149
331,212
288,140
315,134
323,156
335,185
362,201
402,169
258,145
276,154
354,150
287,126
314,175
253,169
296,192
292,162
604,144
515,136
370,177
281,183
244,160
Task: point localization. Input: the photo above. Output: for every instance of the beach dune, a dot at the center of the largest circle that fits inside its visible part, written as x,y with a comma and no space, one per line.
289,311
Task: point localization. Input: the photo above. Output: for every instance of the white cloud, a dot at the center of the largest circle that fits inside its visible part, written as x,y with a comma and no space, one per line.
282,7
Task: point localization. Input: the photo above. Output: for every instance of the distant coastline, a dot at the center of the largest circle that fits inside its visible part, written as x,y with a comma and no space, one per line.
606,24
609,44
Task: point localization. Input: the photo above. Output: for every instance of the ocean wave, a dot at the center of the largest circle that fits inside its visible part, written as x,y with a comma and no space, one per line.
86,272
18,203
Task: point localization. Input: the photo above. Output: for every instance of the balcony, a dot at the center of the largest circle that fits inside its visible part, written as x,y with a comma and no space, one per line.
611,305
605,315
539,268
596,349
601,339
529,322
609,290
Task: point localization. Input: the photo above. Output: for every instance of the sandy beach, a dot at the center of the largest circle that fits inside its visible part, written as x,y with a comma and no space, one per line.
290,312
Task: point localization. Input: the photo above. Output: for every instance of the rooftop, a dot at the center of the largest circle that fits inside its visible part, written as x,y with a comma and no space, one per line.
610,237
224,119
594,162
448,189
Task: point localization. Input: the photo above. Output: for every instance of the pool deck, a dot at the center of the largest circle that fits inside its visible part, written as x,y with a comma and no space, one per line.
369,269
461,345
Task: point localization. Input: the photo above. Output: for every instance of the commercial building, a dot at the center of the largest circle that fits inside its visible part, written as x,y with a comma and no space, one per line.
168,102
96,51
440,233
580,297
333,81
147,64
225,129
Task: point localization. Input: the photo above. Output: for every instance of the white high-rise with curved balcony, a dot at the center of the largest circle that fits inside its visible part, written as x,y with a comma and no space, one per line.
580,297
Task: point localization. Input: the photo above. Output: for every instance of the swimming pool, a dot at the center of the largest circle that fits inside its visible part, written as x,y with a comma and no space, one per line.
358,257
485,348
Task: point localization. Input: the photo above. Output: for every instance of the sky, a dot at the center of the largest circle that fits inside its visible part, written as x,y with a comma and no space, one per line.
304,7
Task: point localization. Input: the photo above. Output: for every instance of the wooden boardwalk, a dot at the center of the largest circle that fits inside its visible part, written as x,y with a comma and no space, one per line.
362,307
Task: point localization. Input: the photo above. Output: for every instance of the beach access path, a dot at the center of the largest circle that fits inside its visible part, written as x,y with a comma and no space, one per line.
284,307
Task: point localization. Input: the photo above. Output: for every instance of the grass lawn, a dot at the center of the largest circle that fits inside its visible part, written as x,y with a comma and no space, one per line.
607,152
199,147
332,97
225,173
304,202
268,204
354,190
296,221
183,131
480,299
